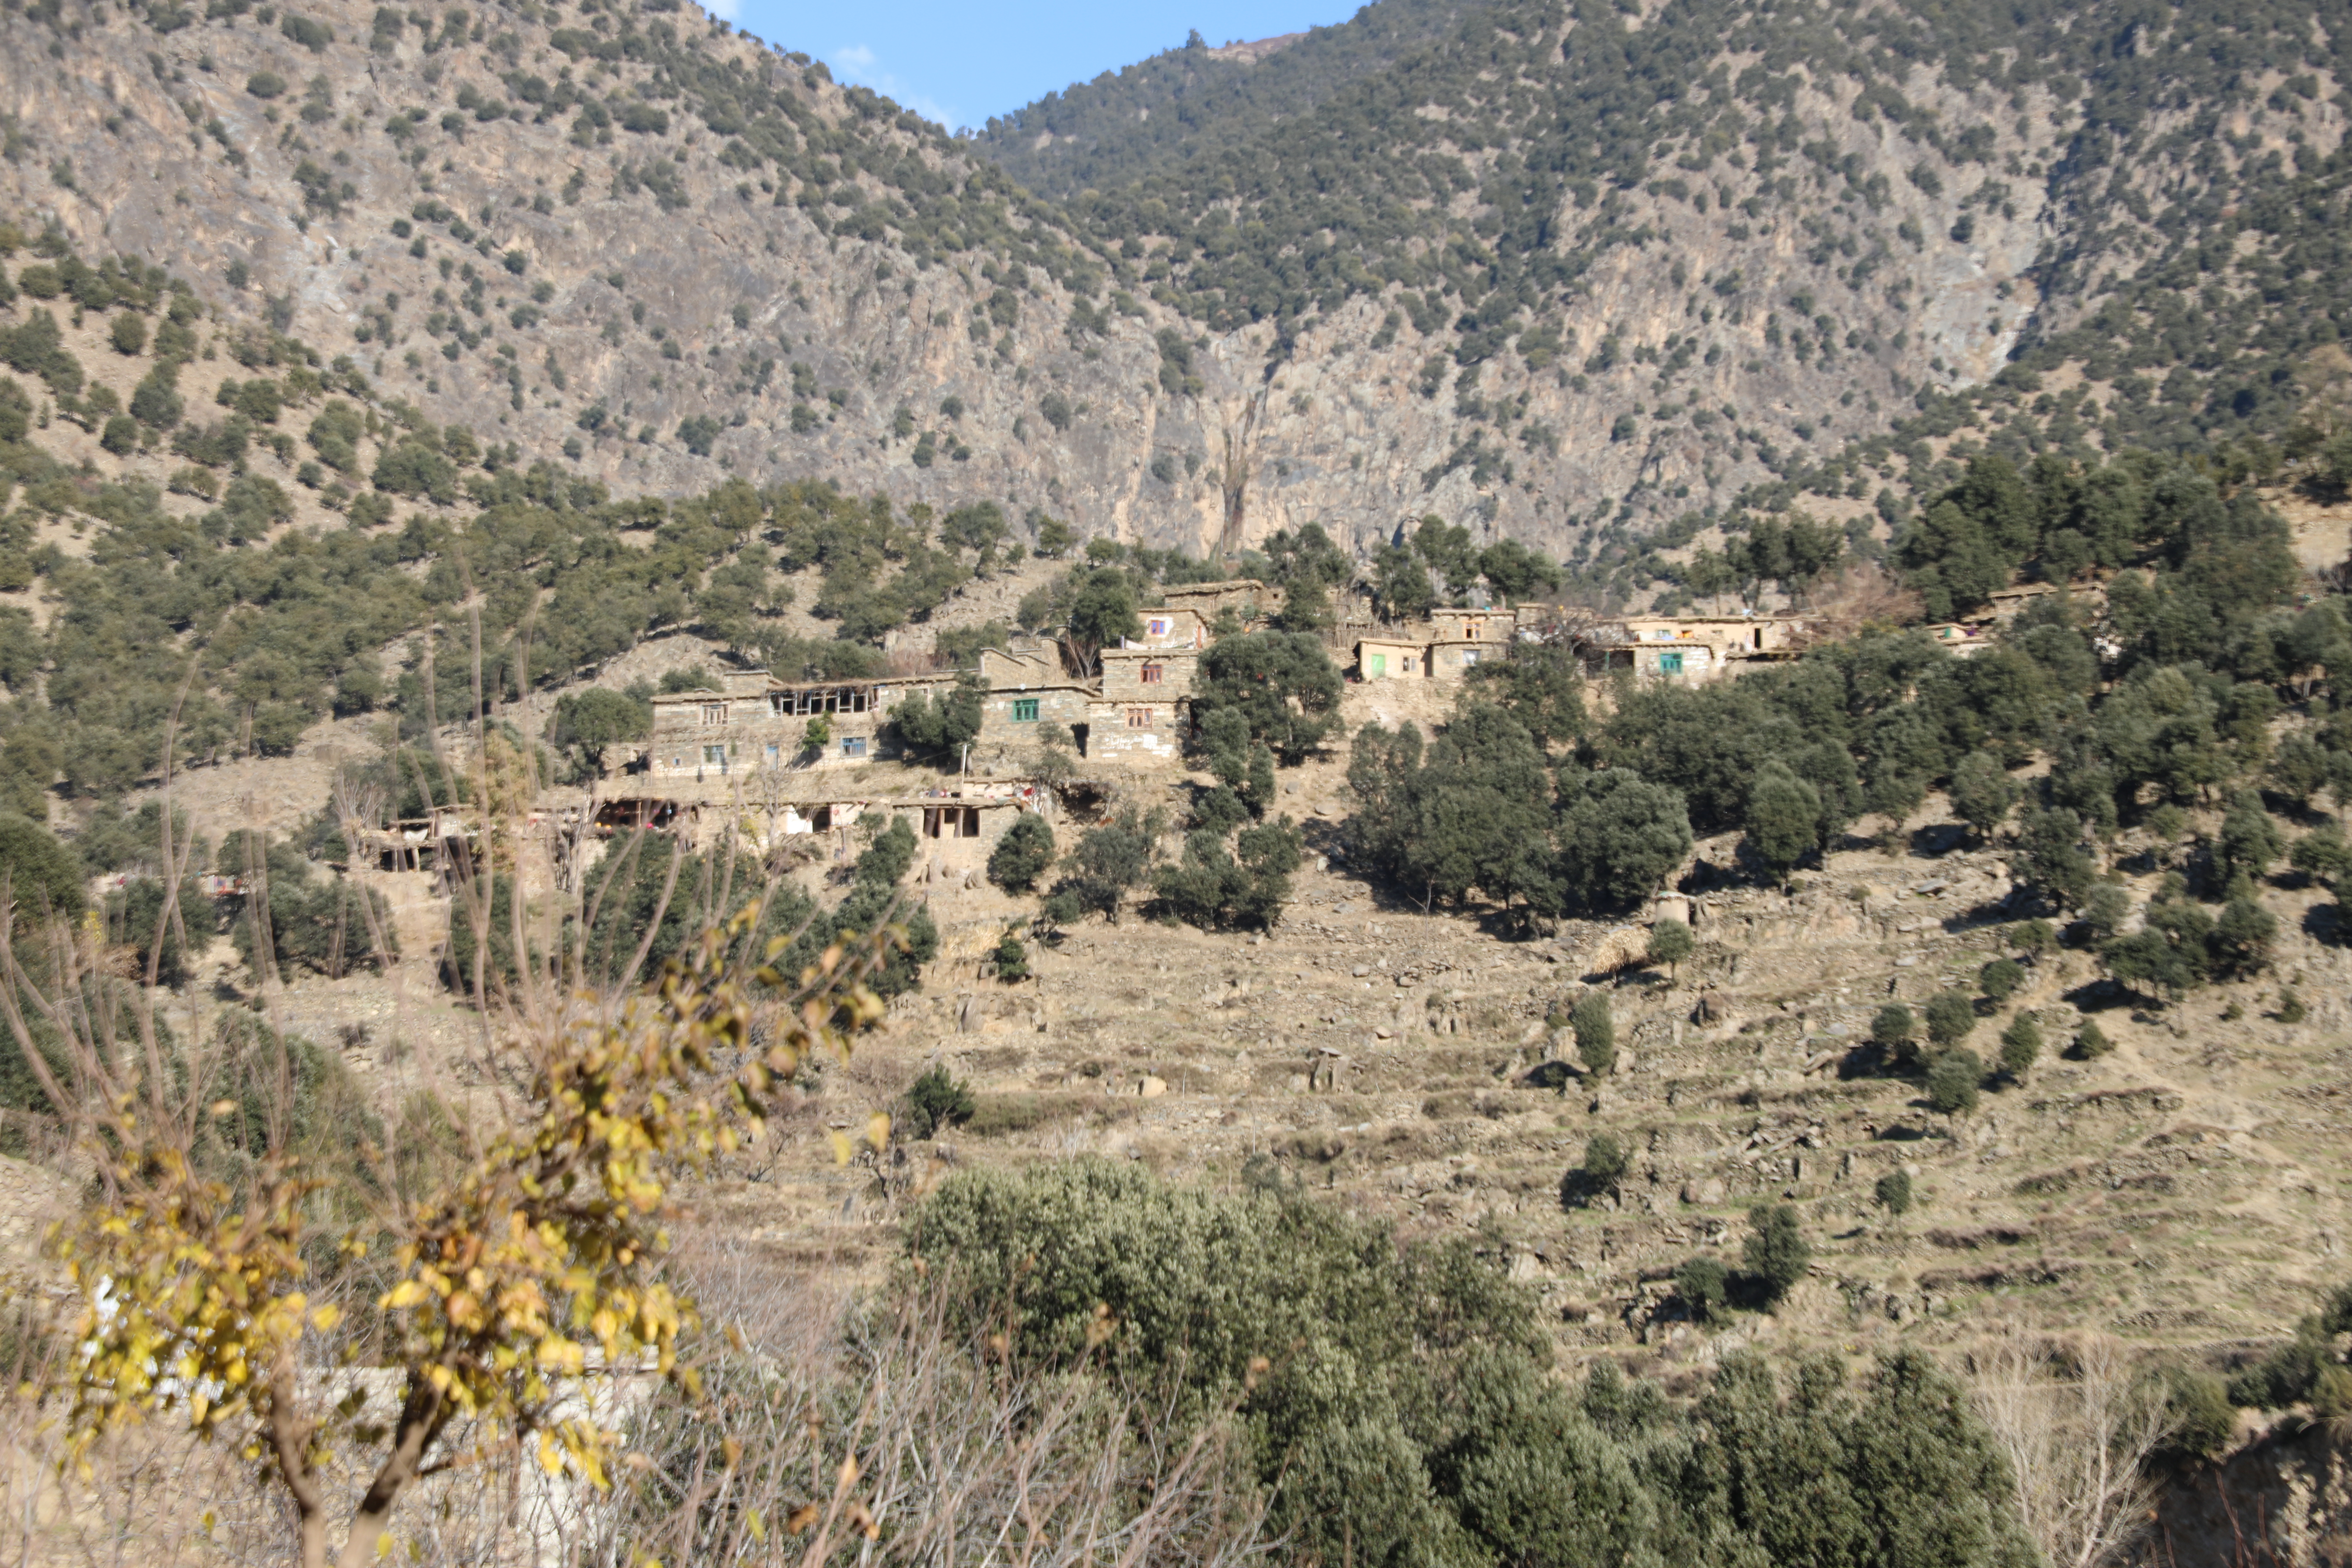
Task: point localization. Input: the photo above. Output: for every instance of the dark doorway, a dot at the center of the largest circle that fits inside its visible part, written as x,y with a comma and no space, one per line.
1078,735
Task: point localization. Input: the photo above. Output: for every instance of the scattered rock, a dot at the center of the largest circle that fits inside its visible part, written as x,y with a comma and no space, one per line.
1151,1088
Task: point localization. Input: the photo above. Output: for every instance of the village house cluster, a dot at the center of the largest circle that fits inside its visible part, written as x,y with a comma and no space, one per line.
756,736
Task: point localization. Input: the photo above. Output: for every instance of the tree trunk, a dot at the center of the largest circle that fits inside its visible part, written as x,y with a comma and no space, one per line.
421,1419
289,1441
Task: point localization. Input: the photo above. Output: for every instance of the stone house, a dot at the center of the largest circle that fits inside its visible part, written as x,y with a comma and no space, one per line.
1690,649
1028,688
755,720
1245,596
1149,674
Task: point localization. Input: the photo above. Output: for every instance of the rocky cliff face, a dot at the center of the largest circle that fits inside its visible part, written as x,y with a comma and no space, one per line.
463,208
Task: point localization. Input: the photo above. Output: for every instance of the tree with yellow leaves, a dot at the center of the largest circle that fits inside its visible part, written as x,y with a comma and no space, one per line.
531,1273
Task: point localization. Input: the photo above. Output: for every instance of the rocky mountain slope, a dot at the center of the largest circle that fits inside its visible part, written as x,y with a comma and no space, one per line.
1544,272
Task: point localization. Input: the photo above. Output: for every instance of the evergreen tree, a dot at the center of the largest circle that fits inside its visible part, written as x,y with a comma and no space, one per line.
1953,1077
2021,1046
1022,855
1621,837
1982,792
1283,685
1670,945
1784,818
1950,1017
1776,1252
1596,1032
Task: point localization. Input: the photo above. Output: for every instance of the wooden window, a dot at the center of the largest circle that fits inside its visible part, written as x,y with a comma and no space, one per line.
1138,718
1154,673
714,712
1024,710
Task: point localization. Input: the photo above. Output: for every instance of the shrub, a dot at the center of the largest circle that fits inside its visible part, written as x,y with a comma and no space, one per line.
935,1100
2021,1046
2091,1042
1670,944
2291,1009
1784,818
1893,1028
128,333
1623,836
1950,1017
1700,1284
42,875
2198,1419
1264,1305
1776,1252
1605,1162
1596,1032
1953,1078
1010,959
120,435
1982,792
1894,1192
2000,978
1022,854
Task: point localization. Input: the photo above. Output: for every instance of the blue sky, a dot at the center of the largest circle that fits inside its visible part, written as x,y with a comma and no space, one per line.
958,63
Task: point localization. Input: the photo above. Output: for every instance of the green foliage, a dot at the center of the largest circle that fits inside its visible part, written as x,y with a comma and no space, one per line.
2021,1046
1982,792
1022,855
1471,814
2000,979
1111,860
1010,960
1539,684
1220,889
327,925
586,724
1670,944
1283,685
2249,840
1596,1032
1700,1284
2198,1419
39,875
1893,1192
934,1101
944,726
137,919
2324,855
2091,1041
1950,1017
1954,1078
1776,1252
1621,837
1784,818
1606,1160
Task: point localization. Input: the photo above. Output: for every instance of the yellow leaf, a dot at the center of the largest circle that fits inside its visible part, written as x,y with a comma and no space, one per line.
878,1129
841,1149
326,1318
408,1293
732,1451
758,1526
551,1457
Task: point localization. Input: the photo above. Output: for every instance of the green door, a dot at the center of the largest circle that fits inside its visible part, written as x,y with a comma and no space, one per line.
1380,665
